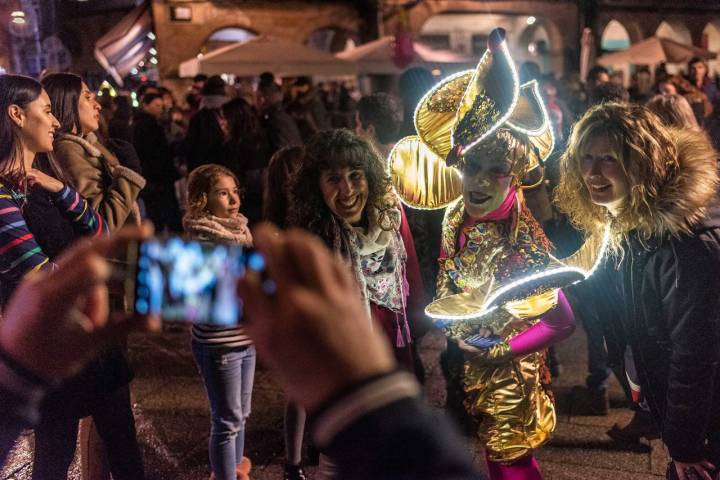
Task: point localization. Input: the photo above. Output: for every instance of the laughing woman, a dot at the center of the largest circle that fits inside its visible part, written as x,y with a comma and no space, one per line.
342,194
656,188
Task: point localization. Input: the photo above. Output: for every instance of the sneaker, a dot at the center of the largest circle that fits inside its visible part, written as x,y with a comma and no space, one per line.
293,472
590,402
640,426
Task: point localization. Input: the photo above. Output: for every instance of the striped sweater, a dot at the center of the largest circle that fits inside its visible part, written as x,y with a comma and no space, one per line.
19,250
209,228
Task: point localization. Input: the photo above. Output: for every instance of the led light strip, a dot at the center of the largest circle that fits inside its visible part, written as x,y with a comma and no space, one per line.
488,307
546,119
433,90
513,104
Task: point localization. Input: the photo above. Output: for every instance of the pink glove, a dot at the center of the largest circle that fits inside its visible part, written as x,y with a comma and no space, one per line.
556,325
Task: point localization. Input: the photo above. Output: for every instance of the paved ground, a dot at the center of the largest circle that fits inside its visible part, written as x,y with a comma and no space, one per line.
172,414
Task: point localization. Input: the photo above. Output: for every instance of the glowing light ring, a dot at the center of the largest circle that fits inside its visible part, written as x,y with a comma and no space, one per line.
488,305
516,94
546,120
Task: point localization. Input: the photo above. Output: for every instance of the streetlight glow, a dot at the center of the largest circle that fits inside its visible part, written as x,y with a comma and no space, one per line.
530,20
18,16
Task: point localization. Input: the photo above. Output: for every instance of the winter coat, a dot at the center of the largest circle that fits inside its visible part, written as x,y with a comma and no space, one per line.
662,300
97,175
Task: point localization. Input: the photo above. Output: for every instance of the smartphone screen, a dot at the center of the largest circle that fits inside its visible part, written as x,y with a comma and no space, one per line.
190,281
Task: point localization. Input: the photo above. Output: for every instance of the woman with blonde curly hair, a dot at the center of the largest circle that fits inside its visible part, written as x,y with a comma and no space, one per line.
654,189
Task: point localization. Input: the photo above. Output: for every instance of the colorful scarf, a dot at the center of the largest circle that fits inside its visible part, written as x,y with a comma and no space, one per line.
206,226
503,250
377,258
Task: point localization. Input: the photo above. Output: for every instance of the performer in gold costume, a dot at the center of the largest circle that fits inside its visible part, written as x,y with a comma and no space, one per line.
480,135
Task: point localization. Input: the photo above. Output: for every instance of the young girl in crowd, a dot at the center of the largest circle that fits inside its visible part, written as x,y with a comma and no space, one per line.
40,215
224,356
281,173
655,187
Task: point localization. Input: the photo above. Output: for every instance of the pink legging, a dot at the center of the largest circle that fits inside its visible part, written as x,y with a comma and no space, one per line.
525,468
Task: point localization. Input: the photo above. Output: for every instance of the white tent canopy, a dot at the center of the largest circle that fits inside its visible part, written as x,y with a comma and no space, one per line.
655,50
120,49
267,54
376,57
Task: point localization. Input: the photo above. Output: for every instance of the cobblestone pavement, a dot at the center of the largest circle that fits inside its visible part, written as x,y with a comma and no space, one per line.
172,417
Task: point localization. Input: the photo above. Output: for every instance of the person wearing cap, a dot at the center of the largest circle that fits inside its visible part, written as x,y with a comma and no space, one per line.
498,297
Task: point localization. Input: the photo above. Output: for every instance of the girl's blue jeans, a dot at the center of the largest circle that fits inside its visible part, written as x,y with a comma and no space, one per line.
228,374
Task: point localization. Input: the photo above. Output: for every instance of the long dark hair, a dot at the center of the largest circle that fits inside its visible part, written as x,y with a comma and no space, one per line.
243,121
281,173
330,150
21,91
205,138
64,92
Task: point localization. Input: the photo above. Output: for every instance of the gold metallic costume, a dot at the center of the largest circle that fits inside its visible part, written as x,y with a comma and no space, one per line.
515,412
503,277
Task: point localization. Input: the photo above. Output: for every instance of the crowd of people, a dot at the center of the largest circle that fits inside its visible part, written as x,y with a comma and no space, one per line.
636,167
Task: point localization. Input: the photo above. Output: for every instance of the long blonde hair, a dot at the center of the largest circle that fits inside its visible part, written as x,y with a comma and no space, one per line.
648,156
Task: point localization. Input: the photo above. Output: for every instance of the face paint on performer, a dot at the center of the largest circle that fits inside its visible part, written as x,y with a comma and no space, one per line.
488,173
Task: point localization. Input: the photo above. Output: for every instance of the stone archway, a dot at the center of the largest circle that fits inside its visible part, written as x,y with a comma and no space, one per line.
545,42
633,29
331,39
553,13
227,35
614,36
530,38
288,19
675,30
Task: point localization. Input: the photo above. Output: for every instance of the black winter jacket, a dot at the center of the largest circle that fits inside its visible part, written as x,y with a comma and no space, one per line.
663,301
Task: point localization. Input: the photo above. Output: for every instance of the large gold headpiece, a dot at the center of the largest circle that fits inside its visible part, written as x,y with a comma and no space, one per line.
462,113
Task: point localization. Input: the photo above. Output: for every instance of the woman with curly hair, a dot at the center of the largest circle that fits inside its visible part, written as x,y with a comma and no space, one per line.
343,195
653,188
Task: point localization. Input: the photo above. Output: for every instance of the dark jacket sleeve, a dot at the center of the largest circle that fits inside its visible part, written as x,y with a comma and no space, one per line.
689,286
393,440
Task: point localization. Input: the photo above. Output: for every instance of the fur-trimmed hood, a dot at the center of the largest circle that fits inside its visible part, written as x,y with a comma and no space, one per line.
685,198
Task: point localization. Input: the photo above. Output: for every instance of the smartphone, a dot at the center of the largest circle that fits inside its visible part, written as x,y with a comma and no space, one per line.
189,281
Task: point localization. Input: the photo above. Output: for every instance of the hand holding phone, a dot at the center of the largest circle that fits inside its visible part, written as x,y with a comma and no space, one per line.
188,280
